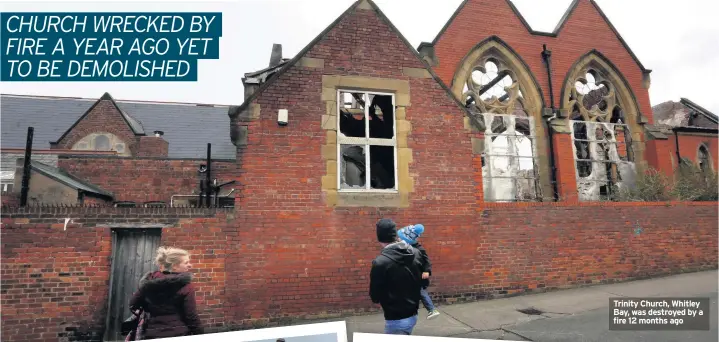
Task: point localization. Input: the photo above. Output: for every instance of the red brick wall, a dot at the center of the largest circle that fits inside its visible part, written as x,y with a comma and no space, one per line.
145,179
10,198
557,246
152,146
104,117
89,201
55,282
661,155
689,147
563,155
584,30
503,250
310,258
284,254
297,257
254,271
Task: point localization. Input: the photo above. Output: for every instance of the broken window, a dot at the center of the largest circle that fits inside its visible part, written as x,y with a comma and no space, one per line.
509,167
509,163
601,139
703,159
493,88
366,141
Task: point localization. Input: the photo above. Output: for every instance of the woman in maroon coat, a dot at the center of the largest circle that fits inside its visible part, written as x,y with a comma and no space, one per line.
168,297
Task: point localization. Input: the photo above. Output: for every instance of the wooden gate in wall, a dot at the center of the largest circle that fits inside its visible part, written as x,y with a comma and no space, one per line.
133,255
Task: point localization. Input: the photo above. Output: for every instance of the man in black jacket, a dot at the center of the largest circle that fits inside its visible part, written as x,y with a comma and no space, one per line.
396,280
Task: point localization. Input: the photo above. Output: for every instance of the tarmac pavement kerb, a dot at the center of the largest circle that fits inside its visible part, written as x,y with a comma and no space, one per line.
488,319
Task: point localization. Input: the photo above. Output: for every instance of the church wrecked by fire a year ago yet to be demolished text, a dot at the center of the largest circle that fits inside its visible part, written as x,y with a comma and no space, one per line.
530,155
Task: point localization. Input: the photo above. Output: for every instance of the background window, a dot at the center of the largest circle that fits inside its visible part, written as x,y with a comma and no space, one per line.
102,143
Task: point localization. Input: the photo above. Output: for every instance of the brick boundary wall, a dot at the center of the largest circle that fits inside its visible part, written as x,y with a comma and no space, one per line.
55,281
508,249
146,179
10,199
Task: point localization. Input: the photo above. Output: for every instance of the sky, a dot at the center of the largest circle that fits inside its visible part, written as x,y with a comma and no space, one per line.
678,40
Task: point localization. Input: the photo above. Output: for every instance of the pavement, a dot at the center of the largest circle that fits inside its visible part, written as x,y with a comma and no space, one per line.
580,314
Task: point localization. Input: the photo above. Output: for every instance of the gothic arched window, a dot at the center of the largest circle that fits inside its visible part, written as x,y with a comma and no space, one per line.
510,166
703,159
602,140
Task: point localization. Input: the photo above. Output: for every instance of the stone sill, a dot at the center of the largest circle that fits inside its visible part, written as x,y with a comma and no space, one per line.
371,199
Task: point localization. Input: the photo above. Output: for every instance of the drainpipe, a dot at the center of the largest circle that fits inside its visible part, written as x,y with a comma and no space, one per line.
547,57
26,168
208,182
676,142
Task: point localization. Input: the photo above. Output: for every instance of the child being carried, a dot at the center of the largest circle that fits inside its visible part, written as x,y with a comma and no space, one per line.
410,234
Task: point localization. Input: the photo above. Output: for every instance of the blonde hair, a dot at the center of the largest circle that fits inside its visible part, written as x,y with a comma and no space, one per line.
169,256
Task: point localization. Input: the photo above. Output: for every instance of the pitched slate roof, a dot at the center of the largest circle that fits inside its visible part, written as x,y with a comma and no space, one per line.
67,179
187,127
134,125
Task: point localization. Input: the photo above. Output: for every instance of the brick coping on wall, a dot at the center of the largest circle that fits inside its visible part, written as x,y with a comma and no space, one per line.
597,204
44,211
11,211
169,159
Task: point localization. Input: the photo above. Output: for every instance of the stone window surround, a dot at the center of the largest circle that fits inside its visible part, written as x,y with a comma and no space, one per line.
530,93
705,146
89,140
532,96
401,90
367,141
632,116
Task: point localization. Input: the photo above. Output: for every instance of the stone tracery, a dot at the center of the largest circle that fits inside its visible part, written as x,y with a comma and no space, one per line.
492,87
510,171
602,140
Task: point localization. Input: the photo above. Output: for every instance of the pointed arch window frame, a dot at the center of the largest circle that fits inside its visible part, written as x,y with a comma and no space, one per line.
532,101
620,96
704,149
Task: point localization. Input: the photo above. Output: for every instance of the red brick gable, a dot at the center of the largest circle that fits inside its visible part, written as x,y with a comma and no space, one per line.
103,116
583,29
359,51
373,48
283,173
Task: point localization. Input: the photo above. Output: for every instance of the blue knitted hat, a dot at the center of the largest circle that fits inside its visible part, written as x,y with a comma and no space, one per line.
410,234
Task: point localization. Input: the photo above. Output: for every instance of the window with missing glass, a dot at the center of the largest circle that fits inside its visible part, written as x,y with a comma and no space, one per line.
703,159
366,141
509,163
602,140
